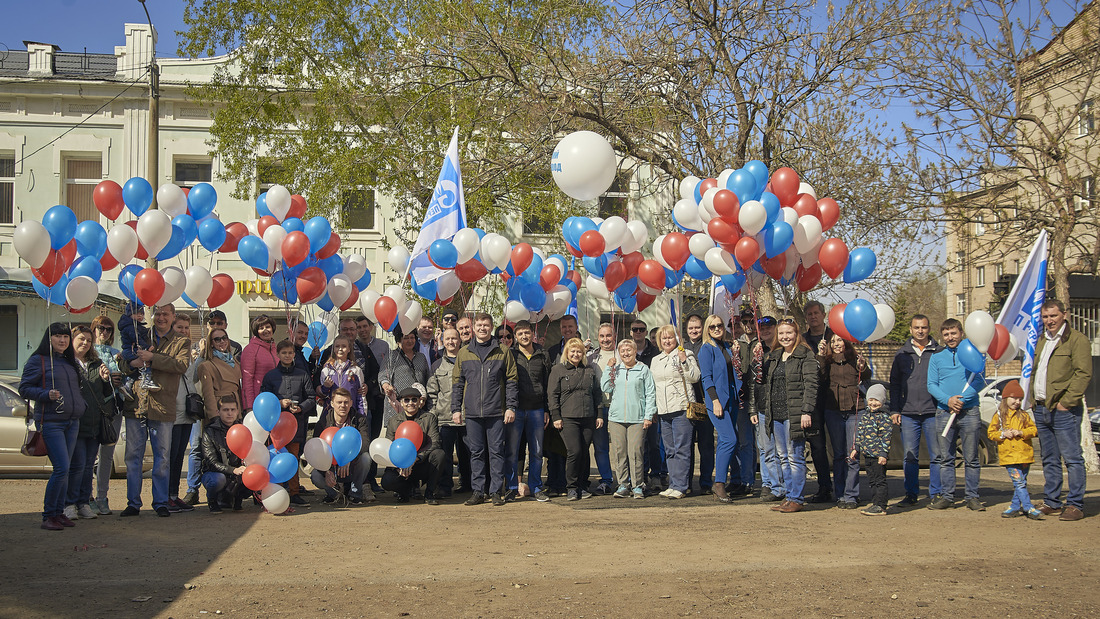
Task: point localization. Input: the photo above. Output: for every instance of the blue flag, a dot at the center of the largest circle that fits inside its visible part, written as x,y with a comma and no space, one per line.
446,215
1021,313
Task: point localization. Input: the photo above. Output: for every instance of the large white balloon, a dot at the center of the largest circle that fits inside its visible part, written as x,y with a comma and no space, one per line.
175,282
339,289
318,454
273,238
467,242
278,201
810,258
687,188
366,303
658,252
275,498
355,266
171,200
639,234
32,243
199,283
495,250
700,244
789,215
557,302
398,259
447,285
723,177
613,230
253,226
686,213
886,319
807,189
720,262
807,233
253,425
514,311
752,217
792,262
122,242
409,316
980,329
397,293
584,165
154,230
81,292
380,451
596,287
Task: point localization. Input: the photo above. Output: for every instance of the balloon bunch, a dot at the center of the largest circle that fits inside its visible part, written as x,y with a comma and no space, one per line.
983,336
335,447
617,270
266,468
861,321
401,451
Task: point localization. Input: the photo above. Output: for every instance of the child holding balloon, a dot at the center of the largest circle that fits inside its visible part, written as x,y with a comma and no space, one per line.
415,450
221,468
292,384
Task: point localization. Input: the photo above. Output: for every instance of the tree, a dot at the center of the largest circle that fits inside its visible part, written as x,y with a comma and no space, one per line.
920,293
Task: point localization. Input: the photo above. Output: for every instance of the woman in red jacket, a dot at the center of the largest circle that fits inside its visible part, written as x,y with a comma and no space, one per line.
258,358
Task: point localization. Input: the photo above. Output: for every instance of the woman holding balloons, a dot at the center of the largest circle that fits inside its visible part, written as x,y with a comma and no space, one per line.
354,470
841,372
258,358
422,461
219,374
721,383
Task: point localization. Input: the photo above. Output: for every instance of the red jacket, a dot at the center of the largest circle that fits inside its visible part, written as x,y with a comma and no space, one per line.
257,359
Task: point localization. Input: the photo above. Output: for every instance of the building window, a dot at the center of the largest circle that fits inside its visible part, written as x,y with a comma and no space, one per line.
960,261
359,207
1083,200
1000,269
960,304
9,332
979,226
617,198
7,189
1016,267
81,177
191,173
979,277
1086,119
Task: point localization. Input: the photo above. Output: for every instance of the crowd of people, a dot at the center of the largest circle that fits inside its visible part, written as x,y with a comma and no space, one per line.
660,414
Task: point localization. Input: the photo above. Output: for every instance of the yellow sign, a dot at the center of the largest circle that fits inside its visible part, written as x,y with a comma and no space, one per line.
256,286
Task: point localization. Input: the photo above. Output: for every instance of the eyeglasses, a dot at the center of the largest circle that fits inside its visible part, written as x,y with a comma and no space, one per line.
407,400
505,336
450,319
716,327
106,329
638,329
787,321
220,338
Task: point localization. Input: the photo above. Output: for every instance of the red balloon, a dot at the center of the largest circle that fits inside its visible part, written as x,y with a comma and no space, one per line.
108,262
644,299
149,286
652,274
576,253
52,269
330,248
239,440
775,266
412,431
81,310
265,222
261,272
707,183
352,299
675,250
722,231
285,429
295,248
221,291
784,185
632,261
727,205
808,278
107,197
746,252
328,433
805,204
298,207
234,232
385,309
311,284
471,271
592,243
836,322
574,277
142,253
255,477
521,258
1000,342
549,277
614,275
833,257
828,212
68,253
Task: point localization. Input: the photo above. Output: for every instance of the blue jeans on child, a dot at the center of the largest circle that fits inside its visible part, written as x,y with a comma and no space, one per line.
1021,500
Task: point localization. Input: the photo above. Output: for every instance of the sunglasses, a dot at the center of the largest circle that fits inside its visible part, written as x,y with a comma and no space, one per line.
766,322
106,329
638,329
787,321
450,319
414,400
220,339
716,327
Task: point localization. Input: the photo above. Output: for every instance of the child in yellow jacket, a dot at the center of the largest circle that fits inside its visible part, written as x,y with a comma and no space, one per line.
1012,429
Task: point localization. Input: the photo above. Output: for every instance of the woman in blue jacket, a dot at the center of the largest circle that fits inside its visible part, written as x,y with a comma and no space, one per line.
633,395
722,385
51,380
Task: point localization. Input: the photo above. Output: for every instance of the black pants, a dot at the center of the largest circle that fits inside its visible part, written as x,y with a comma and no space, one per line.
374,408
454,439
427,468
876,479
177,452
577,434
820,457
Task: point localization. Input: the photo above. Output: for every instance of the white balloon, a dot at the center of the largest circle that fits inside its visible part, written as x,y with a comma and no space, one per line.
514,311
700,244
467,242
339,289
447,285
808,189
657,253
614,231
720,262
175,282
366,303
278,201
980,329
886,319
752,217
380,451
273,238
792,262
596,287
275,498
199,284
810,258
397,293
318,454
81,291
171,200
807,233
32,243
258,432
687,188
398,258
355,266
705,215
723,177
686,213
639,234
558,262
708,200
122,242
331,320
648,290
154,230
409,316
789,215
495,250
253,226
584,165
257,454
557,302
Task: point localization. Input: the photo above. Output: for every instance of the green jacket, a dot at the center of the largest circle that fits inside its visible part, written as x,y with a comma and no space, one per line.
1068,371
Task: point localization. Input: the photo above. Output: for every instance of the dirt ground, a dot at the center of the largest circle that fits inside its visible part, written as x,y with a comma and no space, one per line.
601,557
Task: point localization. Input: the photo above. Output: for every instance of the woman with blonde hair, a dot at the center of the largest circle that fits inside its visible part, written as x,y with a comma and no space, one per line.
721,383
574,397
675,370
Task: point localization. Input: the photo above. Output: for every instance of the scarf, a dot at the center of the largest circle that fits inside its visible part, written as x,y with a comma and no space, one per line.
227,357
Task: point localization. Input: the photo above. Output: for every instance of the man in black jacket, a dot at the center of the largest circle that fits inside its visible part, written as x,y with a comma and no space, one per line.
295,390
914,409
221,468
429,457
532,370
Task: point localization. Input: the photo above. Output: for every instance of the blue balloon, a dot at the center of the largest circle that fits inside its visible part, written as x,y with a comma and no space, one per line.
54,294
282,467
533,272
266,408
402,453
363,281
628,287
201,200
187,300
444,255
595,266
331,265
673,277
771,206
970,357
860,319
293,224
698,193
284,287
318,334
261,206
325,303
211,234
189,226
137,194
573,287
318,231
126,280
742,184
87,266
427,290
533,297
627,304
861,263
696,269
759,172
346,445
777,238
175,244
91,239
733,282
253,252
60,222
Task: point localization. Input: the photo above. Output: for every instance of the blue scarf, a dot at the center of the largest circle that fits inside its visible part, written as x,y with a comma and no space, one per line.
225,356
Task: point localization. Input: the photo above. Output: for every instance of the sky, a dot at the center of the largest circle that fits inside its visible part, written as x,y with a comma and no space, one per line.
94,25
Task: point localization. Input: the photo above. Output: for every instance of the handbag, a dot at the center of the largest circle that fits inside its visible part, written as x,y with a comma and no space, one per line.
34,444
193,405
696,411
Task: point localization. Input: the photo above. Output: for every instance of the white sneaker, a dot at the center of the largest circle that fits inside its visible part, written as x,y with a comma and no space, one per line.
666,492
85,512
673,494
70,512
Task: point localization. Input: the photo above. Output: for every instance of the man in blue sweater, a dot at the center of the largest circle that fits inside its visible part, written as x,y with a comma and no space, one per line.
955,391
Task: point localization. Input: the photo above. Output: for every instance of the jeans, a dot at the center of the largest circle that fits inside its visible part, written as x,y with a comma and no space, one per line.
106,465
426,469
703,438
842,435
627,444
181,434
792,460
769,462
727,441
80,471
1020,498
654,454
60,438
601,451
194,457
676,432
968,424
356,477
452,438
214,483
1060,441
527,429
745,451
159,433
485,438
876,479
577,434
912,427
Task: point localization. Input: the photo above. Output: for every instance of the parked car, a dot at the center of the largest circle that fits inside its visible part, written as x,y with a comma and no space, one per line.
13,431
1094,418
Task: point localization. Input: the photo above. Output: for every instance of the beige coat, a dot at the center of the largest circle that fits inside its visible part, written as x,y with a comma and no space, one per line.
667,371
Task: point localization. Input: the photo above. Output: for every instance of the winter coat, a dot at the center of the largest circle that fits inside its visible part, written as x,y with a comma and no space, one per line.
633,393
429,425
40,376
873,433
840,380
485,380
574,392
257,359
293,383
359,422
533,374
909,380
439,390
801,374
1069,369
1013,450
95,392
670,377
216,456
947,378
171,358
217,379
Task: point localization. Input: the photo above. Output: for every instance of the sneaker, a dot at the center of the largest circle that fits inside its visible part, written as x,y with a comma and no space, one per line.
129,511
431,501
368,496
1014,513
163,511
147,382
664,492
103,508
622,492
572,495
126,389
70,512
497,498
675,494
822,497
173,507
768,497
602,488
298,500
555,492
183,506
402,498
1034,514
476,498
305,492
191,498
941,502
511,495
541,497
909,500
585,494
51,524
638,492
328,500
215,508
847,504
975,505
64,521
873,510
85,512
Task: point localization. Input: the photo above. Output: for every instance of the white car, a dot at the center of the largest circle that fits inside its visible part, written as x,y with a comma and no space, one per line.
990,397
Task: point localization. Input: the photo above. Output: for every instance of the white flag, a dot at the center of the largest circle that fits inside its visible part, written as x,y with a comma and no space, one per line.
445,216
1022,310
